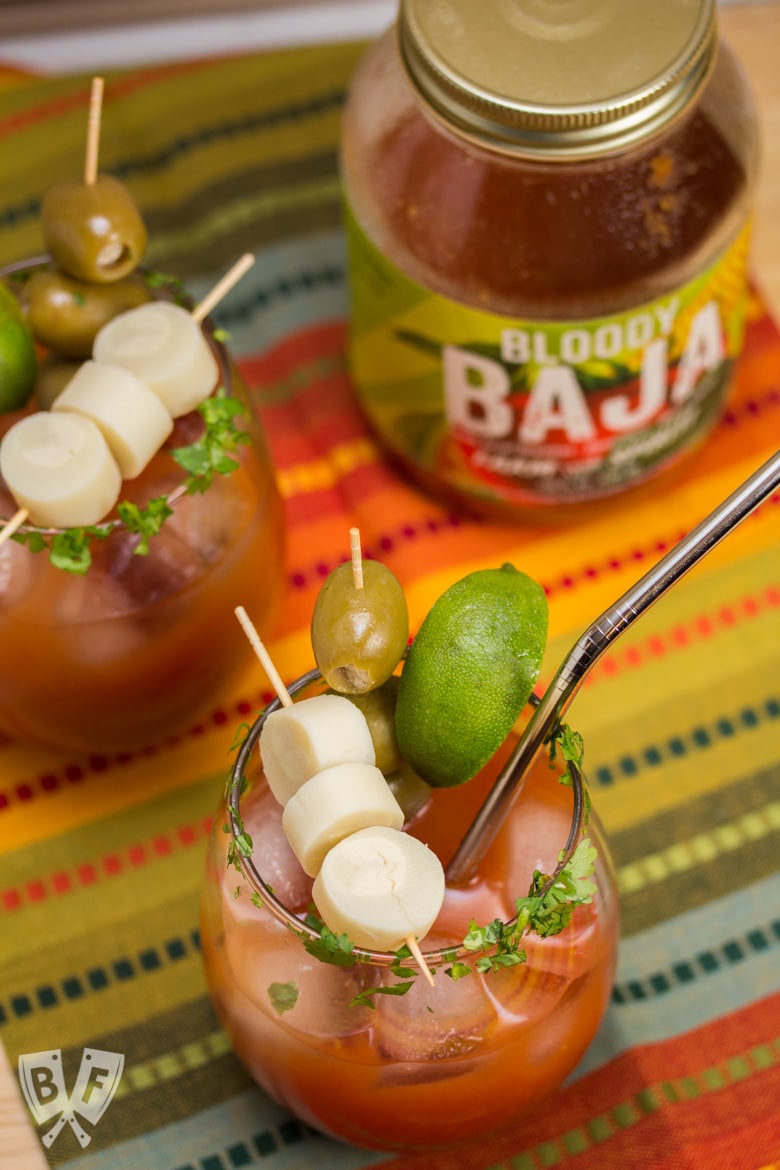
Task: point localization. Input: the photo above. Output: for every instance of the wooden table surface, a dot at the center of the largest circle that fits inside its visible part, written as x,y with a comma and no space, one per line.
753,31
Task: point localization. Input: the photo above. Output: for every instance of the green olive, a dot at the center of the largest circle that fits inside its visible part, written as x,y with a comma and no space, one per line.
359,635
54,373
93,230
410,790
378,706
65,314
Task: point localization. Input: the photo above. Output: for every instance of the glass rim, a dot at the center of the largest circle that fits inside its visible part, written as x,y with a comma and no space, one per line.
209,327
254,878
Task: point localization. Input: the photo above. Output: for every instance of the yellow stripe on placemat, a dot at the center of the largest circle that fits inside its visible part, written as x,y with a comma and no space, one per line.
113,789
709,629
680,771
170,244
101,795
630,526
168,1066
158,1070
320,474
80,883
146,963
682,856
688,699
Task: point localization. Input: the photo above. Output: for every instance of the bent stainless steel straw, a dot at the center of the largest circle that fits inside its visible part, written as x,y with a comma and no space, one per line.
592,644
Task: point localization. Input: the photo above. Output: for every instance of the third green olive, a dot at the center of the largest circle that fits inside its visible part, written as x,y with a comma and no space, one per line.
54,373
94,231
378,707
65,314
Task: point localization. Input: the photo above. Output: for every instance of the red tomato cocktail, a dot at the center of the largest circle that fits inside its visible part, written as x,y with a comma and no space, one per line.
436,1065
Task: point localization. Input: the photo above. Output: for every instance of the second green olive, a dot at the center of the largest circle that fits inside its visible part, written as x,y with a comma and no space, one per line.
66,314
378,707
54,373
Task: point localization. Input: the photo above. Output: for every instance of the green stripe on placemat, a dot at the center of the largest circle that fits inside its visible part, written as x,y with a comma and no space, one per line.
703,849
56,996
255,137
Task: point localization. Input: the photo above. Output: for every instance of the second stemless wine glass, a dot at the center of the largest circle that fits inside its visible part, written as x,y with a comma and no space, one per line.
137,647
328,1035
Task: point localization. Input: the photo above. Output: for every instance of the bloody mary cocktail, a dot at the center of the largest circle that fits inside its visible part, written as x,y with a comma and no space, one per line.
436,1065
135,648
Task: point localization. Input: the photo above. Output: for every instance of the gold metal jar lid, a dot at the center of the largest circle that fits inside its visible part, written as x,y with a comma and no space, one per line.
558,78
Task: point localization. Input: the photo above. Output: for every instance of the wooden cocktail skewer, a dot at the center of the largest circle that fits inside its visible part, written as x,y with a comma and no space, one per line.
93,131
265,658
285,699
90,175
357,581
222,287
12,525
357,558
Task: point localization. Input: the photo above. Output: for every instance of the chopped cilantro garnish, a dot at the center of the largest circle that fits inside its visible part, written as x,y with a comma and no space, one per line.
146,522
174,285
69,549
366,998
283,996
330,947
210,455
240,844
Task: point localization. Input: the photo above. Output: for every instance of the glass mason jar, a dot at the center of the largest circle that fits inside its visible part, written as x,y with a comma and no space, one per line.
135,648
547,209
438,1064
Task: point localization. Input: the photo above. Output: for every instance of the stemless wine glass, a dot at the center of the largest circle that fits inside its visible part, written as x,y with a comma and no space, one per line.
338,1037
135,648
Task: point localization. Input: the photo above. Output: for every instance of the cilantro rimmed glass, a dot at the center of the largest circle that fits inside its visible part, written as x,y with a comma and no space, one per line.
356,1043
110,657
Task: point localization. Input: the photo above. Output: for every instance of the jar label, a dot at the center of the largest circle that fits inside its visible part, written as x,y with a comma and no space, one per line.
522,411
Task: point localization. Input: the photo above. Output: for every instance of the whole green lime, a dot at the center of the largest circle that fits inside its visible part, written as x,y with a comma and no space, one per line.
469,673
18,362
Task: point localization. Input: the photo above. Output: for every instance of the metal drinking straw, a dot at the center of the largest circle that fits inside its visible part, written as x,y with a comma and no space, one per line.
592,644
